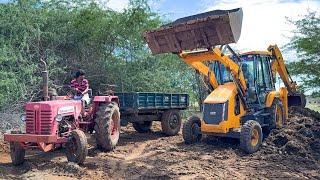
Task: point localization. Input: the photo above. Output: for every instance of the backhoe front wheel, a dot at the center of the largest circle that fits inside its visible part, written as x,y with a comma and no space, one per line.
251,136
191,130
107,126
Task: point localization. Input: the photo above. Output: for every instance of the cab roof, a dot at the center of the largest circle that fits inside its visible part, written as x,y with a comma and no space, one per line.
266,53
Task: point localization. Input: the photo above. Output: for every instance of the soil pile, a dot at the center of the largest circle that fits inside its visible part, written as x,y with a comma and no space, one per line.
300,137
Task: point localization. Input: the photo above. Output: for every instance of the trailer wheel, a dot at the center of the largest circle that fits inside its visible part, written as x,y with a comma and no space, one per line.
17,153
171,122
191,130
107,126
142,127
251,136
76,147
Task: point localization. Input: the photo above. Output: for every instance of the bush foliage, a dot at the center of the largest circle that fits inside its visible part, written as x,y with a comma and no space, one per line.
75,34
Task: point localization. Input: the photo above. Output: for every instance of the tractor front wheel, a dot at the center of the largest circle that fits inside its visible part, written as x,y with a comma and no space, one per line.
76,147
107,126
251,136
191,130
142,127
17,153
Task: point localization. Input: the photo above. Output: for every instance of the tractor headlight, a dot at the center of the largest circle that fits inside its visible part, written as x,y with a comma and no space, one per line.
23,117
59,118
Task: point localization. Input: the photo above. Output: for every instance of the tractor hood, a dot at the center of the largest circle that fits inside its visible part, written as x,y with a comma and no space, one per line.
203,30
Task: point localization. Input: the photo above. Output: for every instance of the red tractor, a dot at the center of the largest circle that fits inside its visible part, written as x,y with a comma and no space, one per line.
62,122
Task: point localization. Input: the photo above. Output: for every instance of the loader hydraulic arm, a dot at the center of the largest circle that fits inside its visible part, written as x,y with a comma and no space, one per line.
279,67
196,60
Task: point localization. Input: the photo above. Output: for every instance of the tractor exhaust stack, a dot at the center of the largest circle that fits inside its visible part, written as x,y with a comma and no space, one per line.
45,78
204,30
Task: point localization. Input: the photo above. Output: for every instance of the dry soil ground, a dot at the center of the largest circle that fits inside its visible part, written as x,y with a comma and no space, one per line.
292,152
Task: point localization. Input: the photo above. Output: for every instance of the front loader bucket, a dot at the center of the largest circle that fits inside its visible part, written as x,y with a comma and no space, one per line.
204,30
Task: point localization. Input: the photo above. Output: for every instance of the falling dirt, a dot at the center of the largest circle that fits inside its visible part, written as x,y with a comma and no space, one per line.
291,152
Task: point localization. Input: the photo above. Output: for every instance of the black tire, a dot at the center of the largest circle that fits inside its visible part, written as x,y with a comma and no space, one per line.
191,130
143,126
251,136
76,147
107,126
171,122
17,153
277,114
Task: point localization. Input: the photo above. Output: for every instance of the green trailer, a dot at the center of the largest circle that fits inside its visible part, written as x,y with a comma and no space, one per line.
142,108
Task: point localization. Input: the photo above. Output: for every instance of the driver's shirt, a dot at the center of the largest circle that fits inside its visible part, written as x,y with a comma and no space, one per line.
82,85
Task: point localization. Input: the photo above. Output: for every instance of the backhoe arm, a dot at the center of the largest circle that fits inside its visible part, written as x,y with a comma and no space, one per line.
279,66
294,97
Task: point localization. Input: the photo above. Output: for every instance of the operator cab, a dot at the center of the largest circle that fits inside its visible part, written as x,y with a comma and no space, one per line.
258,75
256,70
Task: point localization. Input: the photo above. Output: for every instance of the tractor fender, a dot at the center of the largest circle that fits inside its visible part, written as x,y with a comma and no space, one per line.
105,99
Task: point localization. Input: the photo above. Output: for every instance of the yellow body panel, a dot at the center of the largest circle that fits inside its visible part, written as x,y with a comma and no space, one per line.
224,93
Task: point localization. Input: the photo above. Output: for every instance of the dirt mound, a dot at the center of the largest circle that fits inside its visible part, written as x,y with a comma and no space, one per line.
300,137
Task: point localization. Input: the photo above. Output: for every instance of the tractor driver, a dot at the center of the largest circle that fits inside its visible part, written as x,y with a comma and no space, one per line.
81,86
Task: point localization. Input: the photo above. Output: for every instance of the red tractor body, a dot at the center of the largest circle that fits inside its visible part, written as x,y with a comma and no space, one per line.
49,124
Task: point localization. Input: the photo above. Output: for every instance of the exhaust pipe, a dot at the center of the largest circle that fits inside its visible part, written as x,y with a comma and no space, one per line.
204,30
45,78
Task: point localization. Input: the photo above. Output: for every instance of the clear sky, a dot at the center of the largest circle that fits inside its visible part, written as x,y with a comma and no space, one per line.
264,21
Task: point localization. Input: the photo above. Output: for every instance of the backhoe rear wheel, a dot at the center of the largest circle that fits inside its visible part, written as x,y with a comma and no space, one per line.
171,122
142,127
76,147
107,126
277,114
251,136
191,130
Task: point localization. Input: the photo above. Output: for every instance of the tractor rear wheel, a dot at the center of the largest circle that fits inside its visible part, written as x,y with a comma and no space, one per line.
76,147
107,126
171,122
191,130
17,153
142,127
251,136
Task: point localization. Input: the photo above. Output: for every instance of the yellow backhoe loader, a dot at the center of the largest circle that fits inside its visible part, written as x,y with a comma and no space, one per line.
243,101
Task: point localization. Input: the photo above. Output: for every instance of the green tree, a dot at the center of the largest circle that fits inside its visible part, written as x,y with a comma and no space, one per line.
74,34
306,42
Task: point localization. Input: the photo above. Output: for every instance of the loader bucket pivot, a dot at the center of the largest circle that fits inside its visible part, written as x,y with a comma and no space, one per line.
204,30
